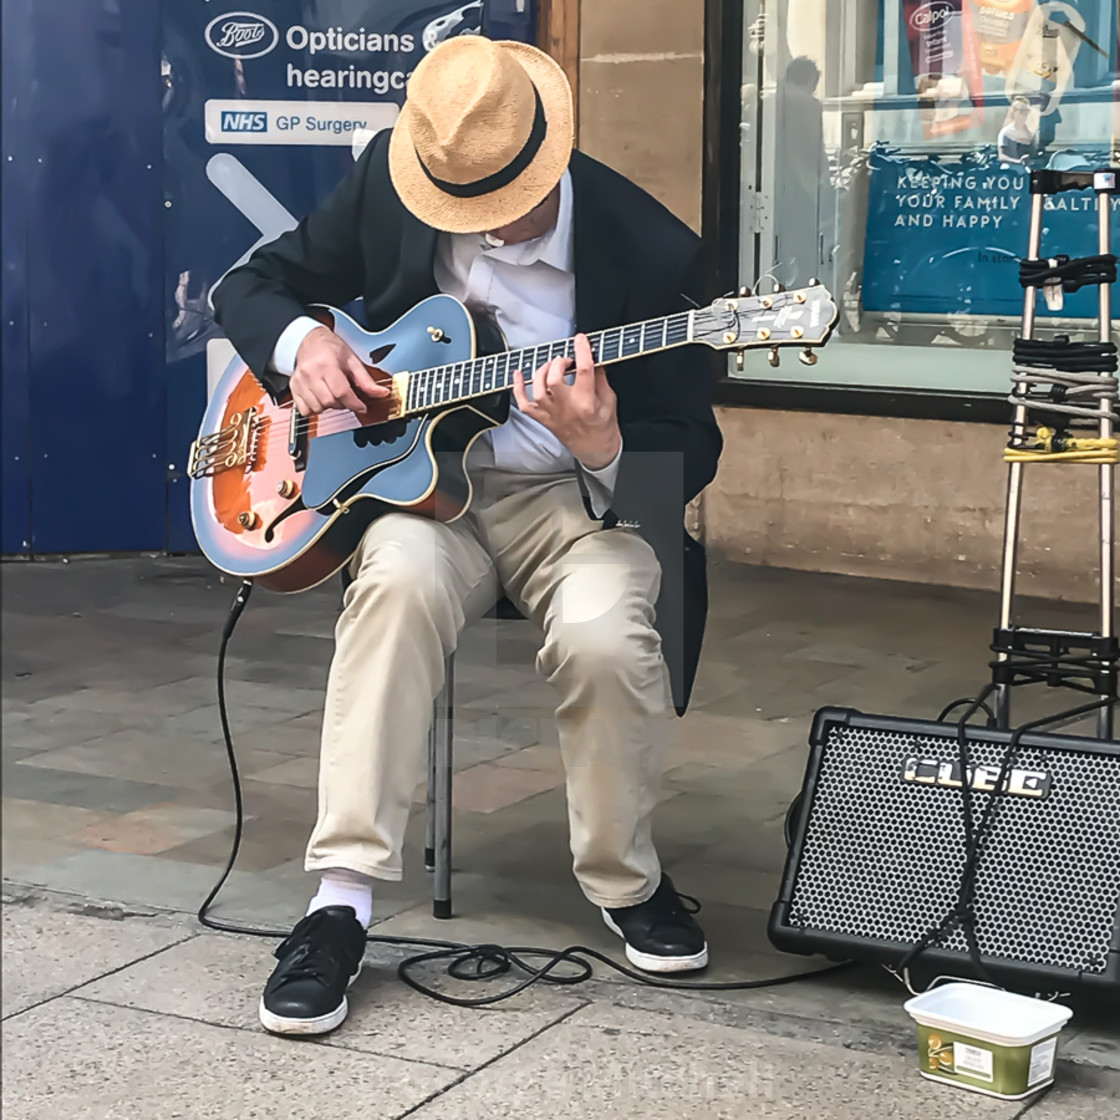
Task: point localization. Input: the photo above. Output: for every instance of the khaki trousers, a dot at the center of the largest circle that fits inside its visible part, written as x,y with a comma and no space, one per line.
416,584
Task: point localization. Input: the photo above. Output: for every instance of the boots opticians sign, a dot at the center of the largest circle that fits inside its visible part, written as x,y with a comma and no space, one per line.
353,75
356,54
241,35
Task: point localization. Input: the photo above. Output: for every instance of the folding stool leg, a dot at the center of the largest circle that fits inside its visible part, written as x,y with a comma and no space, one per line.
443,737
430,821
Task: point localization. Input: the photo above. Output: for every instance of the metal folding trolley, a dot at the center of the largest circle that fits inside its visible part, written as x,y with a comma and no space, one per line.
1065,401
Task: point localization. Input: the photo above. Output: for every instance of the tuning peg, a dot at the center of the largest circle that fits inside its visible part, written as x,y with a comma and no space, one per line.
808,357
814,282
775,356
779,287
740,361
744,292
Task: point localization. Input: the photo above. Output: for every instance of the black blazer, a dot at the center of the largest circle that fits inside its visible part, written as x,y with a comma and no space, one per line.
633,261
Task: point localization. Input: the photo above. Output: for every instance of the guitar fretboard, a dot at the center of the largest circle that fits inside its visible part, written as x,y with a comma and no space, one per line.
442,385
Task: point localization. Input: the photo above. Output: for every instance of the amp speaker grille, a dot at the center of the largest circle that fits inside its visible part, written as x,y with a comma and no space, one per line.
880,857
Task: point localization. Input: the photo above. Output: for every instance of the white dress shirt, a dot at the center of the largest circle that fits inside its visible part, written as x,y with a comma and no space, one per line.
530,289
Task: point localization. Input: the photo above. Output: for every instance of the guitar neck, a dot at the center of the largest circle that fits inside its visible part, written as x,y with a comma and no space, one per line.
445,385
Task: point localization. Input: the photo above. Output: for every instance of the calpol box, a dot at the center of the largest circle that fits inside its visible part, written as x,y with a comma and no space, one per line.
987,1040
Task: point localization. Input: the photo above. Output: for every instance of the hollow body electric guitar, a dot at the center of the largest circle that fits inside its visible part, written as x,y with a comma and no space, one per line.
283,499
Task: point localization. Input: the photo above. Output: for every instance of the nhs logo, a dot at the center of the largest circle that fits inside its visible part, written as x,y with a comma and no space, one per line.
237,121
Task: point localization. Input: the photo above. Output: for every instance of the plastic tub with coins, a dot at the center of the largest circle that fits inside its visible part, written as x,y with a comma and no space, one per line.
987,1040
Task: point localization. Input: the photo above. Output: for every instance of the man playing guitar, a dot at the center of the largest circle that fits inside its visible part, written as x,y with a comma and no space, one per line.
578,499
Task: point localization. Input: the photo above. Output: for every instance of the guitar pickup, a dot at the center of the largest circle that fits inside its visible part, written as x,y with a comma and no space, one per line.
297,439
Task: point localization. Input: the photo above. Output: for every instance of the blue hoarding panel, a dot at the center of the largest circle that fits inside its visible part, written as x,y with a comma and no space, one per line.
264,109
113,235
15,472
93,277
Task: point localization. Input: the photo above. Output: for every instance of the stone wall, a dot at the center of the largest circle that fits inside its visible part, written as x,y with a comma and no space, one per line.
898,499
641,88
914,500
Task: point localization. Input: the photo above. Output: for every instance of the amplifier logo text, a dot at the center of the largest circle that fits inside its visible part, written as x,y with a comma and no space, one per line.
947,774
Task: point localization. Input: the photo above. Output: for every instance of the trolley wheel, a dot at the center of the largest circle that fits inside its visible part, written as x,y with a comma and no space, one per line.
793,815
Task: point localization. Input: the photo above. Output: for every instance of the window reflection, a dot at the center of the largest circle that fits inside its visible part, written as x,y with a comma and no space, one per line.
886,146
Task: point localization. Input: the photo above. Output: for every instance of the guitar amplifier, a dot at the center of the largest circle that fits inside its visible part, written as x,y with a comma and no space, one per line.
877,848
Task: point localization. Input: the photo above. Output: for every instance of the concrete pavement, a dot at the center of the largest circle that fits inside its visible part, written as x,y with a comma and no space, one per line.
117,819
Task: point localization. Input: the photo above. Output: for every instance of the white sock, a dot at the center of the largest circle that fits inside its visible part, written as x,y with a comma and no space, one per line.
339,887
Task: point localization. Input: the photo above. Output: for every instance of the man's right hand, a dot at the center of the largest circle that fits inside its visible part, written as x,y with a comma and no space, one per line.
329,374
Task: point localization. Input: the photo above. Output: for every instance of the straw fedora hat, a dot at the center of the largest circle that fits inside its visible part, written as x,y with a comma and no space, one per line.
485,134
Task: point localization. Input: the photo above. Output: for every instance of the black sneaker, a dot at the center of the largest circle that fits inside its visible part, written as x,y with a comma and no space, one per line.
319,960
660,934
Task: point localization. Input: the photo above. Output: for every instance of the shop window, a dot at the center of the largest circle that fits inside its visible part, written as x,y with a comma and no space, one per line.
884,148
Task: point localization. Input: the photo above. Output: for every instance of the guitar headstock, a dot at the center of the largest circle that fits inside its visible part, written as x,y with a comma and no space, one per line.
801,317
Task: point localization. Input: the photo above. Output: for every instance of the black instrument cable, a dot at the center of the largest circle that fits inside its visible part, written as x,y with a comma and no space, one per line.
1064,356
464,961
1072,274
977,833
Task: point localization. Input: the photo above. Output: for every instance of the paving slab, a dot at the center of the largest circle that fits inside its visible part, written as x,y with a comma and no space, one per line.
41,729
273,899
47,952
1058,1105
80,1060
35,832
218,979
487,916
155,830
610,1061
551,918
29,782
144,881
266,843
841,1009
1094,1047
147,756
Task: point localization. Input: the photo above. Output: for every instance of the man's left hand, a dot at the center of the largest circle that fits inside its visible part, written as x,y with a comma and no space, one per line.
584,415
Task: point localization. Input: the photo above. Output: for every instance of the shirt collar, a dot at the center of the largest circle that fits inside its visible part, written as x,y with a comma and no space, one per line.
553,247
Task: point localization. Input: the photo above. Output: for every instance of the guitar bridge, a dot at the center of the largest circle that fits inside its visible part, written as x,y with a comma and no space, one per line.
233,446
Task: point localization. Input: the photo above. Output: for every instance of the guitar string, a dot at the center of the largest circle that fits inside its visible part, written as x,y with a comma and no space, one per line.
343,420
335,421
421,384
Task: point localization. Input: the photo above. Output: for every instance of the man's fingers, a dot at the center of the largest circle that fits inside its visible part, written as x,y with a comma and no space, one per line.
304,392
519,394
342,392
585,383
540,385
603,388
363,379
585,360
557,369
299,403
